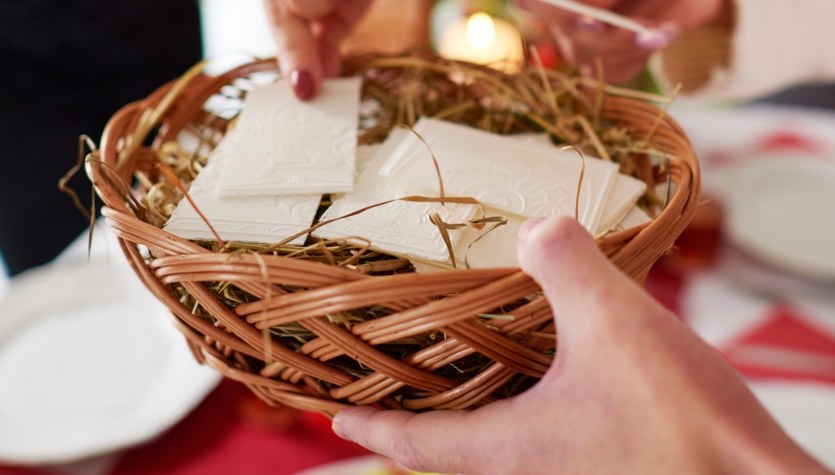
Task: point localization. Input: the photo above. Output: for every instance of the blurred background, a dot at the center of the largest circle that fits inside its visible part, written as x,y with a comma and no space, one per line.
754,275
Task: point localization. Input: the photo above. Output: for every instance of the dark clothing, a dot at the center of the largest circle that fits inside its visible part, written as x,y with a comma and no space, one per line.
65,68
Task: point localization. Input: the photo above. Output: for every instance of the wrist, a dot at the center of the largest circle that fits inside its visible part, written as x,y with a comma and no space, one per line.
752,442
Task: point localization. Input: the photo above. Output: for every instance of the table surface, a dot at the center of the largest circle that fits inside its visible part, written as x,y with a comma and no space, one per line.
777,329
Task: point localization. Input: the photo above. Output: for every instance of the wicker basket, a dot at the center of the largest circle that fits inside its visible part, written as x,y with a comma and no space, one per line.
313,375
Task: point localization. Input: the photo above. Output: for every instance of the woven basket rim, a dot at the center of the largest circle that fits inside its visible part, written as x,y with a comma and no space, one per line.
304,379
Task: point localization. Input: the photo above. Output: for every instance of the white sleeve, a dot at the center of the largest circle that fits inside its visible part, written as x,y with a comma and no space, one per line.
775,43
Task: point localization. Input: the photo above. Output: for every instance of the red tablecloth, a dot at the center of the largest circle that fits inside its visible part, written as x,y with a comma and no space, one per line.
230,432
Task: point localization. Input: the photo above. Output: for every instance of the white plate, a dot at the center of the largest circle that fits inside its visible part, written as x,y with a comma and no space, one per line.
782,211
85,370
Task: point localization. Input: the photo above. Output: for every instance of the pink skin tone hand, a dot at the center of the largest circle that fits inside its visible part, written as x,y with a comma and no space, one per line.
632,390
307,34
585,41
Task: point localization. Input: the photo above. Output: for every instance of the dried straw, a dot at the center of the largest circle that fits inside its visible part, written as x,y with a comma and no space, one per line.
261,313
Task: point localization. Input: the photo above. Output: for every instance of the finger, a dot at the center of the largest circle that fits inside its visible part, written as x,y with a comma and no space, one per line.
583,287
298,56
330,55
543,11
333,29
617,68
622,52
615,48
564,44
310,9
686,15
329,33
414,440
583,40
550,12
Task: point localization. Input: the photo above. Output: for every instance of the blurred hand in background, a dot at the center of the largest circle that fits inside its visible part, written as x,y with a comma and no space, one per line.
308,34
622,53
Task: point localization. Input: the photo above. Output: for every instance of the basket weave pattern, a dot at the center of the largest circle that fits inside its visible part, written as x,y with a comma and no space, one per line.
235,340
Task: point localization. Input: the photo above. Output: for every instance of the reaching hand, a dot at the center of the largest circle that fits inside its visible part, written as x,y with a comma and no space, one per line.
632,390
308,34
622,52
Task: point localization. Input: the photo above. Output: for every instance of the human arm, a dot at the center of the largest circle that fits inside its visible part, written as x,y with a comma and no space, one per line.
772,44
632,390
721,49
307,34
622,52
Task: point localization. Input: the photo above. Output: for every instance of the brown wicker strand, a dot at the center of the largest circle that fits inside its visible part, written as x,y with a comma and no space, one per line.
323,335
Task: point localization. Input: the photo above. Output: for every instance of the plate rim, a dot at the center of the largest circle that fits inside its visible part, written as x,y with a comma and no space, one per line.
193,384
750,241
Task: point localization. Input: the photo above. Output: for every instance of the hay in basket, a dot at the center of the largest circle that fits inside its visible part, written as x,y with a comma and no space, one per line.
349,326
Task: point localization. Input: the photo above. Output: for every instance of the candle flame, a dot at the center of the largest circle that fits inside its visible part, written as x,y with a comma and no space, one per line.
481,32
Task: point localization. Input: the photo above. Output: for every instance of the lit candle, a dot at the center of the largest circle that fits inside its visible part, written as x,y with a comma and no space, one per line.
483,39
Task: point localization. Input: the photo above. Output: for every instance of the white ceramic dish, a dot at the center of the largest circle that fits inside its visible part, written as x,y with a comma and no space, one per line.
782,211
85,370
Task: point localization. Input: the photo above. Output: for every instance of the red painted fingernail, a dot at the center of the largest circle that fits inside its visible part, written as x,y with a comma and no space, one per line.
302,82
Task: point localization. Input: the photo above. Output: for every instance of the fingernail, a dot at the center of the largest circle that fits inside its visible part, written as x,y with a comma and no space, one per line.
339,429
528,227
590,24
651,39
302,82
